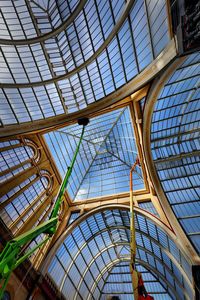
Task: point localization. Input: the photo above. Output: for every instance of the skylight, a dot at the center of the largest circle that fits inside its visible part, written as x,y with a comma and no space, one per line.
106,155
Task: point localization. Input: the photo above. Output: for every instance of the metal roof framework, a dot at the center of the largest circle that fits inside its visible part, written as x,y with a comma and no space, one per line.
101,238
175,144
68,72
59,58
106,155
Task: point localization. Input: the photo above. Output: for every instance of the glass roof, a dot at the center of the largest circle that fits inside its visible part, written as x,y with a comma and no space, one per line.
88,256
175,144
149,206
118,283
106,155
58,57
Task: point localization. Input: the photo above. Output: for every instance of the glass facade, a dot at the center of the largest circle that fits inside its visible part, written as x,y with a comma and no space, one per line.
148,205
119,283
79,65
102,241
106,155
175,144
60,59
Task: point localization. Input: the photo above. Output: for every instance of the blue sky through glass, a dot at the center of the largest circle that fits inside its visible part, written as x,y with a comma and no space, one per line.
175,144
106,155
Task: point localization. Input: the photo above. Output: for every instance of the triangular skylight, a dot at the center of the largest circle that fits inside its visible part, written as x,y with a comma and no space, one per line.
106,155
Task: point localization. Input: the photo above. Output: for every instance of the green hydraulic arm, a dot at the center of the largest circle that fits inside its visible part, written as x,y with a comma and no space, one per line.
11,257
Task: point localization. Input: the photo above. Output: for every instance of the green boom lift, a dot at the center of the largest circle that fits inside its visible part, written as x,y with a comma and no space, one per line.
11,256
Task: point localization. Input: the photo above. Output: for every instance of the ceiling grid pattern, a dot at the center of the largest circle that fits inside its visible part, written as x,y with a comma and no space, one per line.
175,144
63,74
106,155
61,57
103,240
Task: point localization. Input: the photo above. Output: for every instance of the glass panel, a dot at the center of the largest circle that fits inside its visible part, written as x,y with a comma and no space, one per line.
98,251
175,146
106,155
51,65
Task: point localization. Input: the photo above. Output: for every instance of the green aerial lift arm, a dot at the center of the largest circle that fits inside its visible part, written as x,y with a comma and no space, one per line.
10,257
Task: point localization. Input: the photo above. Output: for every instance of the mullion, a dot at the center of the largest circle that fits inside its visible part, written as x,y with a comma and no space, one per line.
75,170
41,79
69,79
184,202
183,80
59,10
104,238
149,28
173,136
29,112
117,38
90,40
55,149
160,151
186,66
86,173
125,139
74,182
115,222
10,105
178,177
155,3
179,189
175,117
83,255
77,267
120,139
175,158
111,172
42,44
97,245
75,288
110,236
162,98
78,75
24,103
172,128
126,233
94,261
94,52
175,105
159,240
146,253
19,19
88,189
133,43
61,150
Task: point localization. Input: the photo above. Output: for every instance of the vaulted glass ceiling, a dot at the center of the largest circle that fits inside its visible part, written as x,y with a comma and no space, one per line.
88,256
58,57
106,155
175,144
119,283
